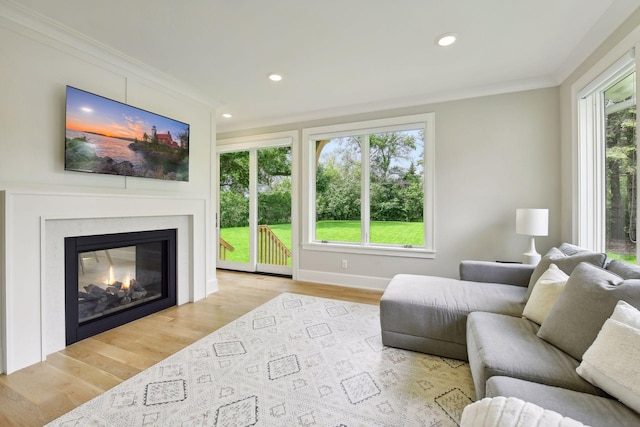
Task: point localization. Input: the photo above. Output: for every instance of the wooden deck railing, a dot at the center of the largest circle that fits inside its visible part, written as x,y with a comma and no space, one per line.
224,247
271,250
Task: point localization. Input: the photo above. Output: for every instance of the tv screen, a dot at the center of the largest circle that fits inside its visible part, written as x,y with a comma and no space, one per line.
109,137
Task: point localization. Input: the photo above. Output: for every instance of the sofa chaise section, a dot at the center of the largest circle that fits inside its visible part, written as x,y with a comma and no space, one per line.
429,314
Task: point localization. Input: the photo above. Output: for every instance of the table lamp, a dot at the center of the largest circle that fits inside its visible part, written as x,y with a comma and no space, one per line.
532,222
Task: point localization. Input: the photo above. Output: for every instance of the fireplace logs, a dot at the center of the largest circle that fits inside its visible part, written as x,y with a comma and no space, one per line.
96,300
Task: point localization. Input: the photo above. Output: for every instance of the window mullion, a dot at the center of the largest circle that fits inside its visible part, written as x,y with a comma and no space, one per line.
600,141
365,197
592,175
253,208
585,181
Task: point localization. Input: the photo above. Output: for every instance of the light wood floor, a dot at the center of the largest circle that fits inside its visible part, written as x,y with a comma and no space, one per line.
40,393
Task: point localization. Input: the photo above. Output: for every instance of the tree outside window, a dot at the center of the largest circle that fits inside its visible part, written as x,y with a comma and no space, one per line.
621,170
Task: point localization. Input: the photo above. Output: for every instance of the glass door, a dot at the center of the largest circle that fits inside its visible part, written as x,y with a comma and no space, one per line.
234,211
254,209
274,210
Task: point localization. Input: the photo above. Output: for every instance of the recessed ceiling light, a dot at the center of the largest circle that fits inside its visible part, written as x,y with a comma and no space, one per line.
274,77
227,115
446,39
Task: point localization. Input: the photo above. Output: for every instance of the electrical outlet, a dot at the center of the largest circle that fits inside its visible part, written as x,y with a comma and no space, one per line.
345,264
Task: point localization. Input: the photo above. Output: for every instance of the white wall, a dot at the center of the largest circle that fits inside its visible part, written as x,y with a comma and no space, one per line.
493,154
37,62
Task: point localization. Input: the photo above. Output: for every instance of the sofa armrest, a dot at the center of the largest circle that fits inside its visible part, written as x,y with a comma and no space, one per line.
496,272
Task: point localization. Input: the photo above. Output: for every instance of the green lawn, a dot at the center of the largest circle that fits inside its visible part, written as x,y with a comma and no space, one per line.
386,232
622,257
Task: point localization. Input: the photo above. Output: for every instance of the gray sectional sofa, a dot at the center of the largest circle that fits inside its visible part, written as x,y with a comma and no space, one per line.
479,318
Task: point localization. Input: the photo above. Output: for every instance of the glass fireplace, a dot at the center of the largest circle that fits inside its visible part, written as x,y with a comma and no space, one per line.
112,279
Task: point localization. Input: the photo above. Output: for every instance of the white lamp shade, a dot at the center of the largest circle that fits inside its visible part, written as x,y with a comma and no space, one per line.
532,222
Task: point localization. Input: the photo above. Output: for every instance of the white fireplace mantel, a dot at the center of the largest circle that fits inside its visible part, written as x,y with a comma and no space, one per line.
35,224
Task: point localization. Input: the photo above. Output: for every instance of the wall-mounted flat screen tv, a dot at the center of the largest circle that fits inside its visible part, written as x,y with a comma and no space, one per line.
109,137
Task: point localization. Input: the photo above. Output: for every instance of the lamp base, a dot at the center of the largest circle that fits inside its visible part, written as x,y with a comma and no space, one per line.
531,256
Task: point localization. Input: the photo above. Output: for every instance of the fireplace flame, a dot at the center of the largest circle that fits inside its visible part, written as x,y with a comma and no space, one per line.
111,280
126,283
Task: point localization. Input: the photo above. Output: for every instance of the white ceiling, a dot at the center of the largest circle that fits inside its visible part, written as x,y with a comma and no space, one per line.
344,56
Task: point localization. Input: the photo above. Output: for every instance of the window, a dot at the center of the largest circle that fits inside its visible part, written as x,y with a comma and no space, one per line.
370,186
607,152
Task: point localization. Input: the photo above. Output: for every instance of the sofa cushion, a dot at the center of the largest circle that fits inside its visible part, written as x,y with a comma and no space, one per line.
566,263
506,345
613,360
624,269
496,272
545,293
595,411
429,314
588,299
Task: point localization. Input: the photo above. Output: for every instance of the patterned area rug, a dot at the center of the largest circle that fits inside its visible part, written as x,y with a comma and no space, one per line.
294,361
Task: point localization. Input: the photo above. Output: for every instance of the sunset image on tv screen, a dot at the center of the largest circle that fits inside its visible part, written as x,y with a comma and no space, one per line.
109,137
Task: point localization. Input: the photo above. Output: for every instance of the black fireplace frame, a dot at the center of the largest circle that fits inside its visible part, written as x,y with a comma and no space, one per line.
76,331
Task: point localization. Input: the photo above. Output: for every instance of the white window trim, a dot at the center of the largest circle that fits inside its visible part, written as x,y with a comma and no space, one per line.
426,121
590,186
591,149
582,222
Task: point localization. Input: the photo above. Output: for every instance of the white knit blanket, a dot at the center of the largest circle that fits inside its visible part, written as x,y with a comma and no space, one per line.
512,412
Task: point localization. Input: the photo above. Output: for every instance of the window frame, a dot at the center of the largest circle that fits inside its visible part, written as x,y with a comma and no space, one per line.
590,230
424,121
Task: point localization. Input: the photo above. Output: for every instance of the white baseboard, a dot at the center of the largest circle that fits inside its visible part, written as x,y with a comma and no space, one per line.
347,280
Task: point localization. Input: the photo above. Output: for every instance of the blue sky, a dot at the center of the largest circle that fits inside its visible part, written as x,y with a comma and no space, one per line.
92,113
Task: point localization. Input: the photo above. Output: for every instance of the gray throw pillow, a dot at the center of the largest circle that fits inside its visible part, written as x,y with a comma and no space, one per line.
564,263
624,269
587,301
554,253
569,249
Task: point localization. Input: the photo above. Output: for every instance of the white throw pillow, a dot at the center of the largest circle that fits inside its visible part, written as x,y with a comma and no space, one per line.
613,360
512,412
545,293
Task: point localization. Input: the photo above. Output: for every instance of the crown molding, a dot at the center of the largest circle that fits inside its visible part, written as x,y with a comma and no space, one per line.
20,19
391,104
